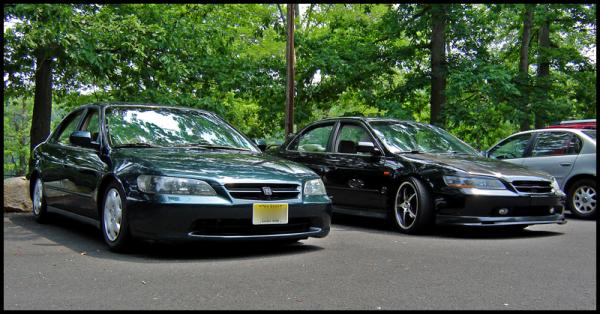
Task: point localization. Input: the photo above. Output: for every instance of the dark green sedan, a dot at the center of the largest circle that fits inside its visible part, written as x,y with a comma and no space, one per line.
167,174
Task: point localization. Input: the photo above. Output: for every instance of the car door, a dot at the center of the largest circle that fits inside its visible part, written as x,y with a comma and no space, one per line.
311,146
53,161
84,168
355,179
554,152
513,149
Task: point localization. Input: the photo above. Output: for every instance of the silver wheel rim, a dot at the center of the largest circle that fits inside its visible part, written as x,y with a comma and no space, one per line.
407,205
113,214
584,199
37,197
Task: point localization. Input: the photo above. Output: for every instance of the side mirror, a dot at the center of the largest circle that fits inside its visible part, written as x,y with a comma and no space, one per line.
83,139
368,147
261,143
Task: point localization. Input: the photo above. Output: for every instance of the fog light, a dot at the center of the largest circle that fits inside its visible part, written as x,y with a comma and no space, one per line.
503,211
551,210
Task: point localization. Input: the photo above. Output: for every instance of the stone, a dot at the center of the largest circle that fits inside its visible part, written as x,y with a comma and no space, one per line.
16,195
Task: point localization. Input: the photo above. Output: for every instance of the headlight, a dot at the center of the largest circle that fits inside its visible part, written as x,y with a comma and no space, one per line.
314,187
555,186
474,182
172,185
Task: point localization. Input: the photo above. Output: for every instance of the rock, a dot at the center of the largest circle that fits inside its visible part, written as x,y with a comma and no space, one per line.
16,195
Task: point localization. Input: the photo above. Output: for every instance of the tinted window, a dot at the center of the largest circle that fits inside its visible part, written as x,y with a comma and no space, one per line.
556,144
170,127
349,137
513,147
314,140
69,126
92,124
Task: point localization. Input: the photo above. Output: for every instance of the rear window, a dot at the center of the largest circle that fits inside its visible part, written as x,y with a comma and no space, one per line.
590,133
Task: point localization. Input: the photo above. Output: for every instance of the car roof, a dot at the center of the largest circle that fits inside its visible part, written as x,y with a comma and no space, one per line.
367,119
572,130
136,104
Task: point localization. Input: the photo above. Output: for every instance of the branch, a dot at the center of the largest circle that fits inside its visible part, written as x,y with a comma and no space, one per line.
281,14
308,17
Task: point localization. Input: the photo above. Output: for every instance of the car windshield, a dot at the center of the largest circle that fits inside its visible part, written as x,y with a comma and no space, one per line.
400,137
590,133
170,127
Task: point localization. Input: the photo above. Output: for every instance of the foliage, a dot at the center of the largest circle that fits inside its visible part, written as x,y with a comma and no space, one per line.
352,59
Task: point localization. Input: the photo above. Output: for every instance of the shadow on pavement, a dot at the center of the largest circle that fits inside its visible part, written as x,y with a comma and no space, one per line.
85,238
459,232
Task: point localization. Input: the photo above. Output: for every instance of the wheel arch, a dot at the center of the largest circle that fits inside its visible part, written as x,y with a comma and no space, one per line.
398,179
106,180
576,178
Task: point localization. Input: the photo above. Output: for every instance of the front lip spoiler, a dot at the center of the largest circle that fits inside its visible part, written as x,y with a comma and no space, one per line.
313,231
499,221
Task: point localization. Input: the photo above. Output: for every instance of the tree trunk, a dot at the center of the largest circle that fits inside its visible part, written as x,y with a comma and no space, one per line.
42,103
438,62
543,72
523,78
22,139
291,60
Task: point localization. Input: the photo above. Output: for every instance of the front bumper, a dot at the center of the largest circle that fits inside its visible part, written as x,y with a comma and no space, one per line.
471,207
168,218
499,221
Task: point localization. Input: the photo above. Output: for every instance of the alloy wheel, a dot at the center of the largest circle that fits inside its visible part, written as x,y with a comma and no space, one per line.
113,214
407,205
584,199
37,197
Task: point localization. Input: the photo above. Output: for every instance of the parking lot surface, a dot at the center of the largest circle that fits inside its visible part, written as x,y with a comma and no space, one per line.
362,264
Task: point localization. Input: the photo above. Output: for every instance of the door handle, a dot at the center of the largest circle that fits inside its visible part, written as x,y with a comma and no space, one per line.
565,164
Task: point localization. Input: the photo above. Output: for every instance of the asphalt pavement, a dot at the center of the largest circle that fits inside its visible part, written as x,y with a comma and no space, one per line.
363,264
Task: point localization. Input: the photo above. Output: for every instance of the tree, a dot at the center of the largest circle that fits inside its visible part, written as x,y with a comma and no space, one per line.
523,77
438,62
43,37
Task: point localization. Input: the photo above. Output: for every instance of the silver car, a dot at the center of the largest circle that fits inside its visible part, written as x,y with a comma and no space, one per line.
567,154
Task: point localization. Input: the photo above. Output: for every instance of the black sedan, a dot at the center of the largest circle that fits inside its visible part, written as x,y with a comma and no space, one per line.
168,173
419,175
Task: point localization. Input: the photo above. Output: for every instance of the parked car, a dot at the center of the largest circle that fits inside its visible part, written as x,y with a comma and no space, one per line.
567,154
575,124
168,173
419,175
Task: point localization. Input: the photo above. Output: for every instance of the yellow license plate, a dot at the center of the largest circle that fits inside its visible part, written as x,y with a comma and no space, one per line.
268,214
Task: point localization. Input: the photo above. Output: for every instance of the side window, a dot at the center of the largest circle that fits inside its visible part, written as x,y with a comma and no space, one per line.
69,126
349,137
513,147
554,144
314,140
575,145
92,124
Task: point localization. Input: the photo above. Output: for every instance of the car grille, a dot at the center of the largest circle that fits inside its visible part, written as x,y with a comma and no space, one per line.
532,186
245,227
255,191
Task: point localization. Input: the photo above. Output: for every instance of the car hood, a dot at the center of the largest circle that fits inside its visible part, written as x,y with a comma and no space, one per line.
477,165
214,165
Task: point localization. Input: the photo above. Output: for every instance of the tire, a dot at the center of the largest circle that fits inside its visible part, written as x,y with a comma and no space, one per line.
38,201
413,211
581,198
113,220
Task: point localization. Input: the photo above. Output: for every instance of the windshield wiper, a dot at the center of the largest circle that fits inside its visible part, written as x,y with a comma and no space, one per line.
136,145
213,146
410,152
453,152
